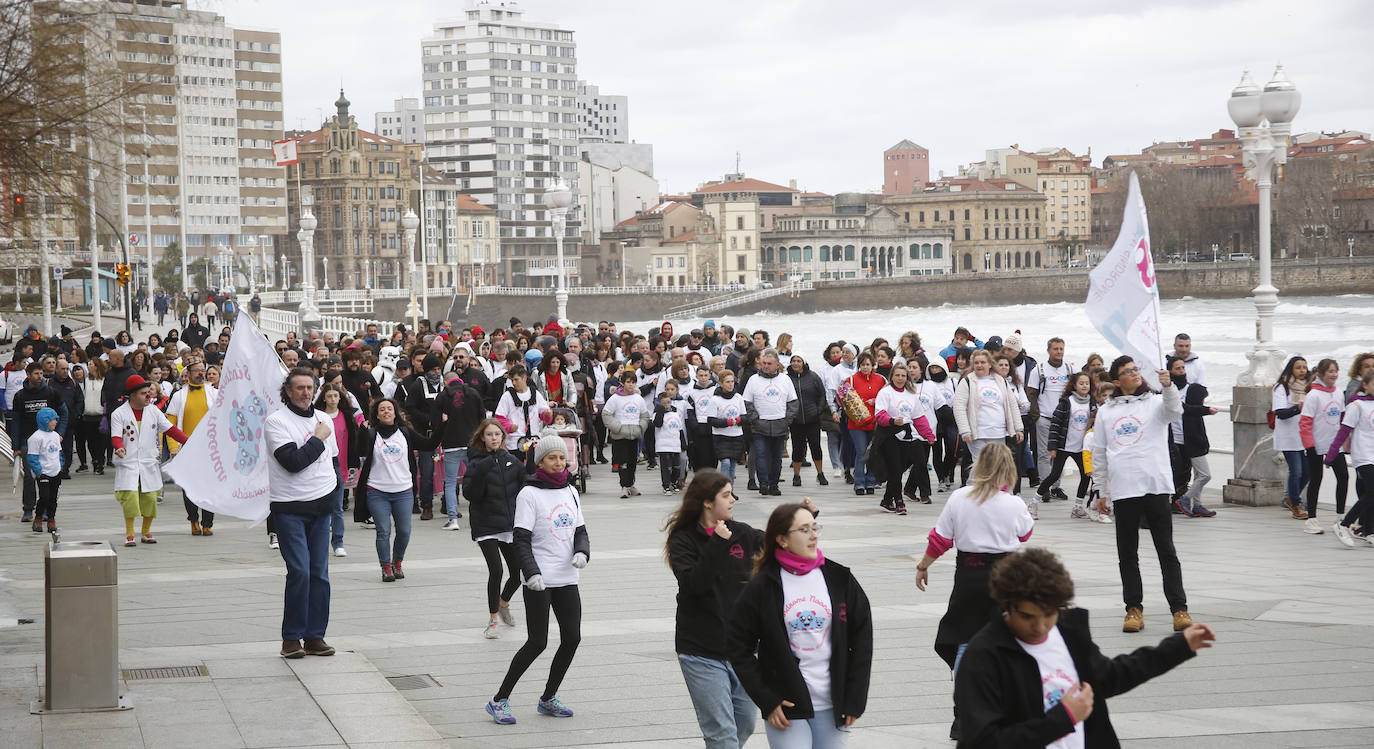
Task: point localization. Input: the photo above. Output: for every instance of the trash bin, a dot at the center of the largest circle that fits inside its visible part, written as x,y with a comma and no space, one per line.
81,643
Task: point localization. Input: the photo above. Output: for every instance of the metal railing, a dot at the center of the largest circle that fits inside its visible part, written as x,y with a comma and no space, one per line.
731,300
323,296
602,290
276,323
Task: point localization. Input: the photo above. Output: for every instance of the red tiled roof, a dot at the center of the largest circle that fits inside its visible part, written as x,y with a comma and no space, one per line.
686,236
675,198
631,221
743,185
469,203
815,195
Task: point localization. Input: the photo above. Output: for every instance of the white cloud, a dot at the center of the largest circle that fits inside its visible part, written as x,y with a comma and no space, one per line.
813,90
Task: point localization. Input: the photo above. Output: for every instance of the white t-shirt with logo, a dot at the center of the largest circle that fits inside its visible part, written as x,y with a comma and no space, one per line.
1326,410
552,517
807,615
1359,415
1080,412
726,408
1050,381
668,437
769,395
390,471
904,405
1057,676
992,416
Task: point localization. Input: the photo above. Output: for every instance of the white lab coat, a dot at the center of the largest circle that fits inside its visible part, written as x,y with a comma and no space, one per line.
142,456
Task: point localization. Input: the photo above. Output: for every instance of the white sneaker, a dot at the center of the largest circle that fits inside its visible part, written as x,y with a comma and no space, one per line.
1098,517
272,541
625,492
1312,526
491,632
633,492
1344,535
506,616
451,525
340,552
1034,510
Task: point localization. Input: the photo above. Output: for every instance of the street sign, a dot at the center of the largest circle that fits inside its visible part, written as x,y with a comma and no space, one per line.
133,239
57,274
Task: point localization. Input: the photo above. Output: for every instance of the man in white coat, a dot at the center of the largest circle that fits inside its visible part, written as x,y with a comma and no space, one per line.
188,406
135,427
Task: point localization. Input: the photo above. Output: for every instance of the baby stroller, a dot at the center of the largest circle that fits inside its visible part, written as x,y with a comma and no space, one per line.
570,429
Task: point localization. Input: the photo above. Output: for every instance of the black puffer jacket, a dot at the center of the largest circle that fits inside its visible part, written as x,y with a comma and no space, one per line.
810,395
492,482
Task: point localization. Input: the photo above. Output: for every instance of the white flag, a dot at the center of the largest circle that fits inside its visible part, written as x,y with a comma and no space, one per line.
285,151
1123,297
223,467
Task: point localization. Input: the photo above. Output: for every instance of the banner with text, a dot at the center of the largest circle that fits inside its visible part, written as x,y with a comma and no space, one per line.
1123,297
223,467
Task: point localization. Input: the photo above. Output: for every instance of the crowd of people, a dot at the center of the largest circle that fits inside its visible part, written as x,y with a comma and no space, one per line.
514,417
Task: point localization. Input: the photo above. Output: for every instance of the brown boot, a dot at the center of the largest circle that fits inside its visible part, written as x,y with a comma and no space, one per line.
318,646
1135,620
292,649
195,528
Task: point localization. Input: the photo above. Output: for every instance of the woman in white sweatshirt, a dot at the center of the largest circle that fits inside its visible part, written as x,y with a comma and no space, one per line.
1286,403
985,408
1321,415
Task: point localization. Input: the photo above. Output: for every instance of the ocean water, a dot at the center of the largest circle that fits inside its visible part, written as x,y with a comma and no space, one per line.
1222,331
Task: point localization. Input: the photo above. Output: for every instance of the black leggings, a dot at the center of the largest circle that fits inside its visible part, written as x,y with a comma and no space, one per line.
624,455
802,436
567,606
493,551
1060,458
1363,510
1314,480
946,447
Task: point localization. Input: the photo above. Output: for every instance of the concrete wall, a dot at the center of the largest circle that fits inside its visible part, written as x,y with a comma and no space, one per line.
1326,277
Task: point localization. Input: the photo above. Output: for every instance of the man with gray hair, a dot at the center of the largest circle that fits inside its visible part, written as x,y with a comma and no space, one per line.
770,404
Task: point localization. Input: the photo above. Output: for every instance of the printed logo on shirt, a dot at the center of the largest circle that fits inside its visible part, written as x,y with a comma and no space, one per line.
562,518
672,420
1127,431
808,623
731,411
904,409
989,395
392,453
1332,415
924,399
1078,421
736,551
1054,686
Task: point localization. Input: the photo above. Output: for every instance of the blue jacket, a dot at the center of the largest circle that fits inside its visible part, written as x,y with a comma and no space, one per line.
45,415
952,350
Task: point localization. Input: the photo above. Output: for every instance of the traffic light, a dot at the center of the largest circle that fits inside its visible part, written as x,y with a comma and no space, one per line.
122,274
18,206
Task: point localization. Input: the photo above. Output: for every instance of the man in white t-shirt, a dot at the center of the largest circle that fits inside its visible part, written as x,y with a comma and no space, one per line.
1045,384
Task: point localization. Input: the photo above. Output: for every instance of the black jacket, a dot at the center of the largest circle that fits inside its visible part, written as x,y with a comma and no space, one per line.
998,691
711,571
810,395
463,406
421,409
27,403
492,482
771,676
195,335
361,385
1195,443
365,440
112,392
1059,420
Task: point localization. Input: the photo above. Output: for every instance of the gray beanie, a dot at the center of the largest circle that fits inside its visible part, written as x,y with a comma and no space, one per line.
549,441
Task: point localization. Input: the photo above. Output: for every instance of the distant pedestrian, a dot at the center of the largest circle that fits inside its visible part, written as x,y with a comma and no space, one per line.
45,461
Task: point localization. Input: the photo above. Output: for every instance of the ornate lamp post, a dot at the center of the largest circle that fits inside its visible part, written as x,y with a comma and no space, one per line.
410,222
252,242
558,198
1258,478
309,312
325,260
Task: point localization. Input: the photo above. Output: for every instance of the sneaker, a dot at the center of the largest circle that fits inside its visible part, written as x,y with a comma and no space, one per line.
1135,620
1034,510
507,618
1202,512
925,500
272,541
796,480
129,541
427,514
901,507
888,505
148,539
555,707
1312,526
491,633
753,486
195,528
1342,532
500,712
82,468
396,569
387,575
1182,620
292,649
869,490
37,525
1178,509
369,523
667,490
1078,512
1099,517
822,480
1296,508
774,491
848,477
1058,495
28,517
451,525
634,492
625,492
340,552
207,531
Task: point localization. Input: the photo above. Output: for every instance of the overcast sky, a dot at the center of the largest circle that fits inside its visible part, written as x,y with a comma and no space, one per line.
814,90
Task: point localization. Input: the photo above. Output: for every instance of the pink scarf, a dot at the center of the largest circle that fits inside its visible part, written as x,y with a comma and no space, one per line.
798,565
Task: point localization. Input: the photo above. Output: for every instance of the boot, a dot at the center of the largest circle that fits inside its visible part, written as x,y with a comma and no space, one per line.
822,480
387,575
195,528
396,569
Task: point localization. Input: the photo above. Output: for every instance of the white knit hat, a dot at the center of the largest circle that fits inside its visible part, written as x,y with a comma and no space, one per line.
549,441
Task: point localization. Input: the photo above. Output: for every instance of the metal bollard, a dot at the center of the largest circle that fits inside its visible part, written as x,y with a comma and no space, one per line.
81,631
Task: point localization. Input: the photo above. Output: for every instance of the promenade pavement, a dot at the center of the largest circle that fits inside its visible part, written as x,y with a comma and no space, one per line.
1292,612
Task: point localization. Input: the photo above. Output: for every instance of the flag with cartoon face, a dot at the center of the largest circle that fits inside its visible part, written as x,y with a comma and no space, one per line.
223,468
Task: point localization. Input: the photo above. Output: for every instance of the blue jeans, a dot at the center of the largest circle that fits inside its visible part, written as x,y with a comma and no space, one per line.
813,733
727,467
336,517
834,441
862,478
385,507
1297,474
424,464
454,458
304,546
725,713
768,459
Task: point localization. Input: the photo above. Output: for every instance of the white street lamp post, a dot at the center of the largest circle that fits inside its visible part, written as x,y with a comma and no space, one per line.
558,198
325,260
309,312
1350,243
1214,252
252,265
1264,148
410,222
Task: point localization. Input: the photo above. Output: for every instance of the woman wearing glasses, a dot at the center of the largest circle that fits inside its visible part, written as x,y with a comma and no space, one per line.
801,636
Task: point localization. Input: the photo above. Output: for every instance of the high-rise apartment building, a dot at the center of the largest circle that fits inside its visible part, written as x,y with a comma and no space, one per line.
197,134
602,118
405,122
500,117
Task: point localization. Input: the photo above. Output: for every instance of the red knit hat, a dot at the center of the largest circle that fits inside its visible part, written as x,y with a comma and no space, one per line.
135,383
477,331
